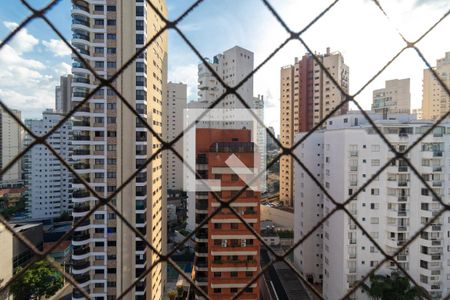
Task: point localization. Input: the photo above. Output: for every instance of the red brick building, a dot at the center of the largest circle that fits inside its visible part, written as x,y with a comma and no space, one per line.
227,253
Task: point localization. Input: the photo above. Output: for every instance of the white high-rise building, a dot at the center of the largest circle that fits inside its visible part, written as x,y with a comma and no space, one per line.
232,66
10,145
392,208
110,144
47,181
173,109
395,97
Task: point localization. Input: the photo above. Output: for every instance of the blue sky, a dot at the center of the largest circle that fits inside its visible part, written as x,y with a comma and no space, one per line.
30,67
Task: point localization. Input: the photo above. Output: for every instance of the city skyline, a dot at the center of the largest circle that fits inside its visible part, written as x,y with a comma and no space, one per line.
134,208
42,48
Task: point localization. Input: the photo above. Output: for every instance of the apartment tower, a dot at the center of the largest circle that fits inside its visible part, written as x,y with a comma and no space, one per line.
307,96
226,252
173,110
110,144
392,208
63,94
47,181
10,145
436,101
395,97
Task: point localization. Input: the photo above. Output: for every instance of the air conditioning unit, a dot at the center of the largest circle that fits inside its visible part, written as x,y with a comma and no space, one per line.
243,243
224,243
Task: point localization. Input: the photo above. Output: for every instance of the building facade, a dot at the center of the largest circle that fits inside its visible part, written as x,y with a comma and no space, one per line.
226,252
10,146
173,110
436,101
395,97
110,144
63,94
392,208
307,96
47,181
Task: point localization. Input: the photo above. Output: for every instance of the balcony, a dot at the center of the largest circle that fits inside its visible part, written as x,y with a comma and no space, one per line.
80,37
81,137
79,7
403,183
403,168
80,22
81,251
437,153
353,153
80,194
80,236
81,279
81,166
81,265
81,123
81,208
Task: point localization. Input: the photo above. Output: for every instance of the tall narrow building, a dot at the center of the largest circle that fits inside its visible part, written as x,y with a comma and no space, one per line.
307,96
47,181
394,98
436,101
110,144
10,145
63,94
173,109
226,252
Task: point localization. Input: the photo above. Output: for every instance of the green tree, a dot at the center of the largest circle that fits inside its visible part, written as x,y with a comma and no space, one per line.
38,281
395,287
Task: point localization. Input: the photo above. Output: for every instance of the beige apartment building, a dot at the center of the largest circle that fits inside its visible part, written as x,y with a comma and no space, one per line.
110,143
173,110
10,145
307,96
395,97
436,101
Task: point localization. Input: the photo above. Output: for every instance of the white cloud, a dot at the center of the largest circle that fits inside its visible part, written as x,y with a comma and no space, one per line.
186,74
57,47
23,41
63,69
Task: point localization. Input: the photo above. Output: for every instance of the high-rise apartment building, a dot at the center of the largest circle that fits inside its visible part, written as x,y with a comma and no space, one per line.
395,97
110,144
392,208
232,66
226,252
10,145
47,181
63,94
173,110
436,101
307,96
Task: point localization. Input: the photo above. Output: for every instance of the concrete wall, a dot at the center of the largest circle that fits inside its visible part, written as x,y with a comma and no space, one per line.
278,216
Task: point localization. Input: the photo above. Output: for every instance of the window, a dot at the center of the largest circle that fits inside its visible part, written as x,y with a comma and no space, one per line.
111,50
111,8
375,162
234,274
234,177
111,36
98,7
234,226
216,290
99,22
217,274
111,22
375,192
248,274
217,225
374,220
139,11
